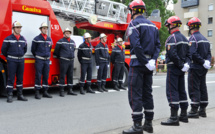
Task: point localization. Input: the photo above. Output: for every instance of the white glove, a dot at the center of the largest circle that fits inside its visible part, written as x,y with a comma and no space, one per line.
97,67
185,68
207,64
152,62
150,67
108,65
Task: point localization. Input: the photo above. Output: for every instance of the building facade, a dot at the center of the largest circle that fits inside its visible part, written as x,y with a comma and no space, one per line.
204,10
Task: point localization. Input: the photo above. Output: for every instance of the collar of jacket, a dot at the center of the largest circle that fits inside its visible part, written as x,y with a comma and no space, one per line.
120,47
175,31
68,39
87,44
103,44
197,31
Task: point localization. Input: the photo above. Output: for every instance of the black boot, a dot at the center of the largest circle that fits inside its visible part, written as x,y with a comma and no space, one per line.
61,93
135,129
104,89
100,89
202,112
116,87
89,90
46,94
82,91
148,126
121,87
70,92
193,113
10,97
37,95
173,120
20,96
183,116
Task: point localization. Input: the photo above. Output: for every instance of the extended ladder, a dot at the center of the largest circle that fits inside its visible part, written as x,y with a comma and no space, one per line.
81,10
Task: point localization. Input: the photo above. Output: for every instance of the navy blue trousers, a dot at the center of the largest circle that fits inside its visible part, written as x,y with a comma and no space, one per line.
66,69
86,68
102,74
197,87
15,69
140,93
42,69
118,73
175,88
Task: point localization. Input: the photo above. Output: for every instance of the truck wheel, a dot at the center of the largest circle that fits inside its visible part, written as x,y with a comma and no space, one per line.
125,77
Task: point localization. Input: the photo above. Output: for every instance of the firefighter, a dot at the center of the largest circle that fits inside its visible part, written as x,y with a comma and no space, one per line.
14,48
85,59
177,59
64,50
102,62
41,49
201,57
144,49
118,61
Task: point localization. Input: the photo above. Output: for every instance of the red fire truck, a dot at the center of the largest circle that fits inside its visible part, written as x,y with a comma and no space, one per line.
104,16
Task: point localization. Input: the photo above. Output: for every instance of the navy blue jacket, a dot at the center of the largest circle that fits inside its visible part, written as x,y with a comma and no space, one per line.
177,49
102,54
85,53
144,40
65,49
199,49
13,47
118,55
41,47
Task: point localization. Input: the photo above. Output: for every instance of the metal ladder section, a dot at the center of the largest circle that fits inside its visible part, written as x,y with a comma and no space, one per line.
81,10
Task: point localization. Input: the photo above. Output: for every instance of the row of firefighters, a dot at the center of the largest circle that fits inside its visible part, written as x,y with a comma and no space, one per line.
182,56
14,47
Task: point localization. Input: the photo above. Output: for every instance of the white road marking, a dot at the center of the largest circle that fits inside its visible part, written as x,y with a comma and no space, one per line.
208,82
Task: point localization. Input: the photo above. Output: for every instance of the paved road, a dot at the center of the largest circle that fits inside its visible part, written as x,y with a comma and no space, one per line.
99,113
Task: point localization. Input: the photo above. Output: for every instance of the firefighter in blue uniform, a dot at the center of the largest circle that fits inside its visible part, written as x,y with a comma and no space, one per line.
177,59
14,48
85,59
41,49
144,49
118,61
102,62
64,50
201,57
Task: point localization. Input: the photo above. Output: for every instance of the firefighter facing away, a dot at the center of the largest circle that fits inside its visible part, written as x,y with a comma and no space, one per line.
64,50
14,48
102,62
201,57
41,49
145,48
118,61
85,59
177,59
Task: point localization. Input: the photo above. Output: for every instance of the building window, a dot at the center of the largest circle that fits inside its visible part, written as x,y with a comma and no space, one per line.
211,7
210,20
210,33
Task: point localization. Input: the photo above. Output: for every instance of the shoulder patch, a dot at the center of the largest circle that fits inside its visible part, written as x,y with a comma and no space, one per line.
190,44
